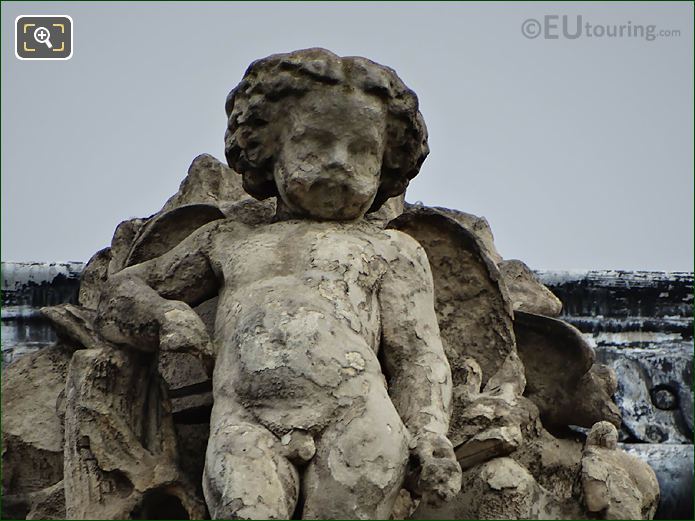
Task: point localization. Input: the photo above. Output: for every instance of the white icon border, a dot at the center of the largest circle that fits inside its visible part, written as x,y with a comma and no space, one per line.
72,37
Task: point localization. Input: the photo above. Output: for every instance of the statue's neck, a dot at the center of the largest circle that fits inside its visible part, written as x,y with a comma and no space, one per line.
285,213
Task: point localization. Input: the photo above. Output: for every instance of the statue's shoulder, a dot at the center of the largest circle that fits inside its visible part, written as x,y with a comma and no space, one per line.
228,229
231,224
401,244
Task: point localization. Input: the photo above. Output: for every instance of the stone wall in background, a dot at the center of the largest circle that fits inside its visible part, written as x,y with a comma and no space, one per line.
26,288
641,324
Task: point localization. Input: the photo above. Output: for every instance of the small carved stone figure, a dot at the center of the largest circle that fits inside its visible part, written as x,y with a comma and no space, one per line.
312,306
615,483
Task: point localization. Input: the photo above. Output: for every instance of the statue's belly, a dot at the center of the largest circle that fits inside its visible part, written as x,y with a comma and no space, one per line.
294,364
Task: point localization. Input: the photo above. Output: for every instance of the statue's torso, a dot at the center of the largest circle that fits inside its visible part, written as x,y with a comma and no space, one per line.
298,322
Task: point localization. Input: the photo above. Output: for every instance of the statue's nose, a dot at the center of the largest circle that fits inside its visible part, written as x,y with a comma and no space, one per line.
339,156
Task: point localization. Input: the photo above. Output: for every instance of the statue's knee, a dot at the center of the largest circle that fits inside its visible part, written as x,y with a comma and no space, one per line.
377,441
370,459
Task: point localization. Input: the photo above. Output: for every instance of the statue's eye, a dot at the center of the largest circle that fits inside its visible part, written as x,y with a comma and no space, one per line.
362,146
311,137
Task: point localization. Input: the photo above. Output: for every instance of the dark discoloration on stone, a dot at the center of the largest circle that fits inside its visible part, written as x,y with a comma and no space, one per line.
563,380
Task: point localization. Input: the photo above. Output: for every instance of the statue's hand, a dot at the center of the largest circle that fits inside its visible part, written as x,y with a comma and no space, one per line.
439,477
182,330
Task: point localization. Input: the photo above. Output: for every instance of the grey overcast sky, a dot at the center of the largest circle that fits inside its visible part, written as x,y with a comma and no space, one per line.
579,152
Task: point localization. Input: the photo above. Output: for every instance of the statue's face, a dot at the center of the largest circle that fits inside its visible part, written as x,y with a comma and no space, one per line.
330,152
611,440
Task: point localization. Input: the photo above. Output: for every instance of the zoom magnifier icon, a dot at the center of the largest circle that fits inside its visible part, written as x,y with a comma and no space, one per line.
43,35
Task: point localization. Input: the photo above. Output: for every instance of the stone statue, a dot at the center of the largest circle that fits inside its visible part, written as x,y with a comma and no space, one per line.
308,303
365,357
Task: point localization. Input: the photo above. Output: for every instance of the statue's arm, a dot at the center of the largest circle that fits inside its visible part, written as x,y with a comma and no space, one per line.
416,367
148,306
414,361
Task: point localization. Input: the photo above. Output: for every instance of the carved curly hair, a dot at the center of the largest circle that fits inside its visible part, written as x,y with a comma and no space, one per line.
251,139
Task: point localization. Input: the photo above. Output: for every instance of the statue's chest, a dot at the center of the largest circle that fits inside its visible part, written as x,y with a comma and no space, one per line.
324,255
350,258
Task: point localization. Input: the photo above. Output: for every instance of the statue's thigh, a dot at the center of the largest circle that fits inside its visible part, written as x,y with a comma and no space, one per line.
245,475
359,466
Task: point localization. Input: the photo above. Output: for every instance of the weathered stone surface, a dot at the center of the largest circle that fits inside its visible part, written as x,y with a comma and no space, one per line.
539,480
563,381
391,209
491,443
500,489
208,182
250,211
32,432
404,506
34,422
491,421
122,242
478,226
555,464
47,503
120,443
192,441
167,229
95,273
207,311
192,404
74,325
181,370
526,292
250,141
616,485
473,310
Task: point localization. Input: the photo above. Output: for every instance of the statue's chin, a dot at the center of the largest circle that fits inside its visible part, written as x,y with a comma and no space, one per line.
329,204
332,214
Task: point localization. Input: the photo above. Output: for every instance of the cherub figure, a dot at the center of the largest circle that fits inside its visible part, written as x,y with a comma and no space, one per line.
616,485
329,372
